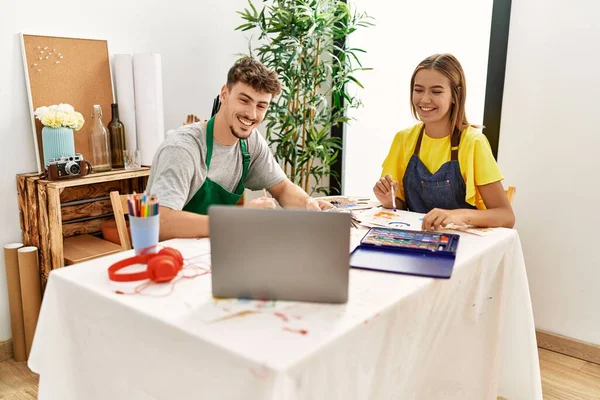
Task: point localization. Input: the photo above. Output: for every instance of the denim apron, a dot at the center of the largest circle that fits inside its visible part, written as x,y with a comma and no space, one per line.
445,189
211,193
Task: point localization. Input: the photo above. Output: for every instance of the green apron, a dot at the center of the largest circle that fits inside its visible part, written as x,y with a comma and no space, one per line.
211,193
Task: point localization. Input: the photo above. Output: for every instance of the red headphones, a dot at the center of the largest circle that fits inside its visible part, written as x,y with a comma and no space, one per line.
162,266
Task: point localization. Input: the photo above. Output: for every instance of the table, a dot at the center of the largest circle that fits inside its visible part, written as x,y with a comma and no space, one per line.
398,337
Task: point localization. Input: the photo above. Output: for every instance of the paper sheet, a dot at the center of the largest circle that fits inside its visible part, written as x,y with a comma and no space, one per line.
400,219
149,116
351,203
390,219
126,98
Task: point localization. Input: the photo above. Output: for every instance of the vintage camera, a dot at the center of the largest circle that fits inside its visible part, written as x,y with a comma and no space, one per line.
67,167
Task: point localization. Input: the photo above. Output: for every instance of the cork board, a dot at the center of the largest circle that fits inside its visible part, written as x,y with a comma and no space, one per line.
67,70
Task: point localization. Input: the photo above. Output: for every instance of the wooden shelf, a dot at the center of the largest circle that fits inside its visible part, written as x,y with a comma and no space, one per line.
109,176
82,248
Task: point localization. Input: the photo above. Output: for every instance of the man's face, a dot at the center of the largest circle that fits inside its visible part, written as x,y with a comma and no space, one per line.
244,108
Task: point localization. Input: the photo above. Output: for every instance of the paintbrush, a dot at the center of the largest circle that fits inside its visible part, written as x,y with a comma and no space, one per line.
393,199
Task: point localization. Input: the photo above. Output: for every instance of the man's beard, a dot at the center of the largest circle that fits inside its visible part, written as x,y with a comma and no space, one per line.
238,134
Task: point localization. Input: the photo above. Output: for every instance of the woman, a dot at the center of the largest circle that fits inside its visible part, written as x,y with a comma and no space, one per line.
443,166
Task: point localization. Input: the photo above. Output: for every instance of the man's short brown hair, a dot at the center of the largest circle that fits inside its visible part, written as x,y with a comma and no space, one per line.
255,74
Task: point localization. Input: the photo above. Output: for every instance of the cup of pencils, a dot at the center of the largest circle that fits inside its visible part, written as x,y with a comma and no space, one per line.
144,222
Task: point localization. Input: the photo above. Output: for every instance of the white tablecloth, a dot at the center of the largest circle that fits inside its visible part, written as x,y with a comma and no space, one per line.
398,337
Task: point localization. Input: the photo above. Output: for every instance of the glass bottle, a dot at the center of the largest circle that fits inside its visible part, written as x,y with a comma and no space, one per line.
100,142
117,138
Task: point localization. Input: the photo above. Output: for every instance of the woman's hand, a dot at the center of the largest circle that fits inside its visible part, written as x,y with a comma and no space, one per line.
383,191
438,218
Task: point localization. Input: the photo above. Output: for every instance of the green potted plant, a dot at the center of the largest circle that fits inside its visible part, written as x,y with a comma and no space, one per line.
305,42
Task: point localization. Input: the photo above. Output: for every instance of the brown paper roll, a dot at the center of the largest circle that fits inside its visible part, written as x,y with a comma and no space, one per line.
14,301
31,291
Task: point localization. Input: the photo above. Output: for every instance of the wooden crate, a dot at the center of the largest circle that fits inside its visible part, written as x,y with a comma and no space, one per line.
51,211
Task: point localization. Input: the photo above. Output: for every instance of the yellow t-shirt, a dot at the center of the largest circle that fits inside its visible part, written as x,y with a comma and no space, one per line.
477,164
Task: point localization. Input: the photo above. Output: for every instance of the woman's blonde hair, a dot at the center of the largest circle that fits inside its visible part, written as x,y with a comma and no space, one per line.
448,66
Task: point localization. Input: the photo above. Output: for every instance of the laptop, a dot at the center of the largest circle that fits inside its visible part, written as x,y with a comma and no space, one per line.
291,255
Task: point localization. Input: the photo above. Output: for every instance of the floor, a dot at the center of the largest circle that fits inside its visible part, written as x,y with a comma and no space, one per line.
563,378
17,382
568,378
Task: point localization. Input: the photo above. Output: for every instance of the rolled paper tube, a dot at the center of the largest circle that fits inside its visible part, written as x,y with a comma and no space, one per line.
15,303
126,97
31,291
149,115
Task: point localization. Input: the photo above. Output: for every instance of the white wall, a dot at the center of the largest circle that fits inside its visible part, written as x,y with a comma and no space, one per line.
549,128
197,42
406,32
549,145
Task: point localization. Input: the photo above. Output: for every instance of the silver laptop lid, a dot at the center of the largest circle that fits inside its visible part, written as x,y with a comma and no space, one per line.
293,255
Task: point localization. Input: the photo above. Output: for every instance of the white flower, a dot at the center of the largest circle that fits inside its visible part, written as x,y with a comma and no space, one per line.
56,116
49,119
80,121
40,111
66,108
61,118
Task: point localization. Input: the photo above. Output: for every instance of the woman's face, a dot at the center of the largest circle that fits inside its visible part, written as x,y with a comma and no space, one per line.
432,96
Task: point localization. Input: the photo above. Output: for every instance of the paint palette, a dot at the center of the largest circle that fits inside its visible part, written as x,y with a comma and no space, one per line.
414,241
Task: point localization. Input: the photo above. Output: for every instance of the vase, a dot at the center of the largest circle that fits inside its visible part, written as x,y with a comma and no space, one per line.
57,142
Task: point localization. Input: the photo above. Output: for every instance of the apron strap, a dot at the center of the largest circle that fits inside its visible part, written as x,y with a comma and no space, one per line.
245,159
454,143
209,141
419,140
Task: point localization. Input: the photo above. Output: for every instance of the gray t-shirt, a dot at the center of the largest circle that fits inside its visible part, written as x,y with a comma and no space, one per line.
179,166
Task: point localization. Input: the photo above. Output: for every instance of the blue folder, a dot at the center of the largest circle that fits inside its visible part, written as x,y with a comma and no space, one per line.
430,254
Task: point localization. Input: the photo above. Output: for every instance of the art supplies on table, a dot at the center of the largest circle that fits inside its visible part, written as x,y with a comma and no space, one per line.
404,251
354,222
142,205
144,222
351,203
401,219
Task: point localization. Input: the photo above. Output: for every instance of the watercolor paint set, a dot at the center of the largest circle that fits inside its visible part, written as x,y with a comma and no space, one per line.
401,251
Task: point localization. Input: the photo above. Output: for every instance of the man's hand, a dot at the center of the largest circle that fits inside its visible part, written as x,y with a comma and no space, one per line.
438,218
262,202
383,191
317,204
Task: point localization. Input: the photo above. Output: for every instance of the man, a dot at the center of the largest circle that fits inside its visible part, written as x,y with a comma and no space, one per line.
204,164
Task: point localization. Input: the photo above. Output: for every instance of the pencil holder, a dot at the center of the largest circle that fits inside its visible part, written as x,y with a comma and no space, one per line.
144,233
